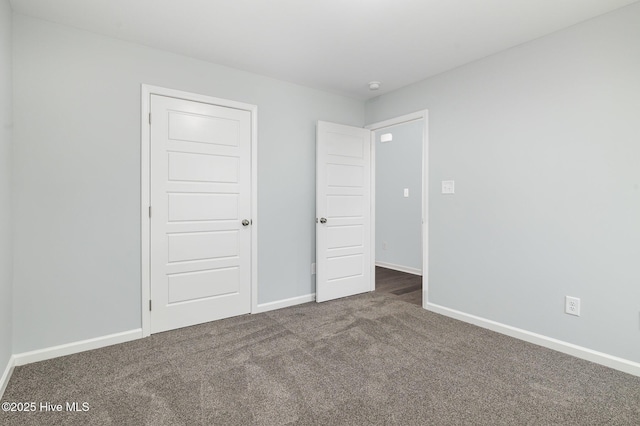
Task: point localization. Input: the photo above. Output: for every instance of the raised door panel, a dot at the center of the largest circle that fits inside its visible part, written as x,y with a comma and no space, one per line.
201,207
188,167
209,129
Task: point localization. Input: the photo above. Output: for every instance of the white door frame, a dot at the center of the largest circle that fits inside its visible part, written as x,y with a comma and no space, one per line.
415,116
145,189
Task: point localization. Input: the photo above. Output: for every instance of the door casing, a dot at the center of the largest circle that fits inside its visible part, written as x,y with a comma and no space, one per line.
145,185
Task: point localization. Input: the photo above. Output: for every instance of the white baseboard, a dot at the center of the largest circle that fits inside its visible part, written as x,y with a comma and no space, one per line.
75,347
601,358
279,304
400,268
6,375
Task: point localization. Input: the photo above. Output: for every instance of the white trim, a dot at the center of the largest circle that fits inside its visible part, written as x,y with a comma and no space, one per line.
372,208
145,202
425,209
279,304
414,116
254,207
407,269
75,347
601,358
145,194
6,376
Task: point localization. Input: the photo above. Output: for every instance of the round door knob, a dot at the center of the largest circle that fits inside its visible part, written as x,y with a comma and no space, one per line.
323,220
246,222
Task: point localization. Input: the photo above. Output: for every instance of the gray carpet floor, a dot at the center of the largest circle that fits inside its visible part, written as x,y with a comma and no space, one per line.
364,360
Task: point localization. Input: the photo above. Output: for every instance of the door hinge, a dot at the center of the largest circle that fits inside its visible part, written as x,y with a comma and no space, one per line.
149,211
149,304
149,118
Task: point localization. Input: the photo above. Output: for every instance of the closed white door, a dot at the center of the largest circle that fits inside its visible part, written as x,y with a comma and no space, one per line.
200,196
343,229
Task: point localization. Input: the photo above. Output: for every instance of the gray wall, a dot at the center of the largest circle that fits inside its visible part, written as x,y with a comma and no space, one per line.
77,172
6,262
399,219
543,141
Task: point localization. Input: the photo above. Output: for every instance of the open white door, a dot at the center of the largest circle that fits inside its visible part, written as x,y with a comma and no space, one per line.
343,207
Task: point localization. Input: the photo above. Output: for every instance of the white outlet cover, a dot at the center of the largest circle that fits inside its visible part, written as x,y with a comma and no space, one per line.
572,306
406,193
448,187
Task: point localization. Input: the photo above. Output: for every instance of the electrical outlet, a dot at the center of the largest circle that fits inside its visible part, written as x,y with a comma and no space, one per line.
313,268
448,187
572,306
384,245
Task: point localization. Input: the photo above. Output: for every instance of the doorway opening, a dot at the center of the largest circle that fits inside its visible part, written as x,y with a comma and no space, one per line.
399,206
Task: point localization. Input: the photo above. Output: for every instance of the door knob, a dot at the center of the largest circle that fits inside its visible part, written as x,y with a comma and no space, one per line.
323,220
246,222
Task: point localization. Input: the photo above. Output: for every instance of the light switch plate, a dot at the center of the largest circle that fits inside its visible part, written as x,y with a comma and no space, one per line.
448,187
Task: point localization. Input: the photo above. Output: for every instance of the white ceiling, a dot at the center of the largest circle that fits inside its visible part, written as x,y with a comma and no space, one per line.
335,45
